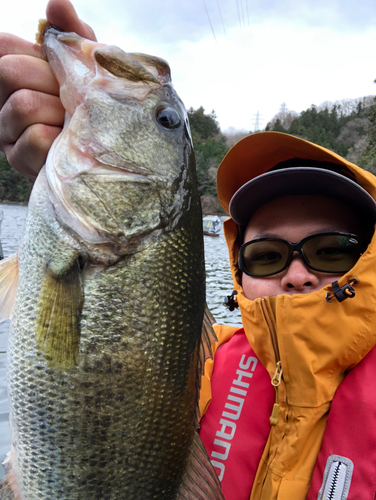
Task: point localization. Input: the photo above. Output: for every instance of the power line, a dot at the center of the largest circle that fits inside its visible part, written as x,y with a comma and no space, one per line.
207,13
220,13
240,20
246,4
247,23
242,13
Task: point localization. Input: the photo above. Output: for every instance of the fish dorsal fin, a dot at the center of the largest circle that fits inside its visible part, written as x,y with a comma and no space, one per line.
8,285
200,481
208,337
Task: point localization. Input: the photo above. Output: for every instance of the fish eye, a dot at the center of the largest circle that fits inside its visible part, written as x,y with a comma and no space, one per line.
168,117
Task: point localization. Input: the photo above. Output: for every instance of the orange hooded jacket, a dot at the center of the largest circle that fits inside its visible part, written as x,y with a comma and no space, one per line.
307,345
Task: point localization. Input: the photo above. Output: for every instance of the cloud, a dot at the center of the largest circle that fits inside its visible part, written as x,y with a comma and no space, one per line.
165,22
169,20
265,52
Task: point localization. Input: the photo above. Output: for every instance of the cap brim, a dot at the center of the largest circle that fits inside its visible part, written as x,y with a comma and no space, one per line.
257,153
299,180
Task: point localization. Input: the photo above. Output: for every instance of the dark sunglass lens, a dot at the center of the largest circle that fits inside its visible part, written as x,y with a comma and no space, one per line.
332,252
261,258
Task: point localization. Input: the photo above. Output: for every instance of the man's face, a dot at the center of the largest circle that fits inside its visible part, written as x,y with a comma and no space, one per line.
293,218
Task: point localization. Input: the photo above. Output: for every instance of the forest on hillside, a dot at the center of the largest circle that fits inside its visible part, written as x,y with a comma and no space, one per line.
347,127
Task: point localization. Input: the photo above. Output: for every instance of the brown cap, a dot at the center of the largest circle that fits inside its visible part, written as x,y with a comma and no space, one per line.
268,165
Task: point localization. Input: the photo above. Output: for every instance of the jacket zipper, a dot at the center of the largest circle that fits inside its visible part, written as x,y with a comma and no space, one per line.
337,480
277,377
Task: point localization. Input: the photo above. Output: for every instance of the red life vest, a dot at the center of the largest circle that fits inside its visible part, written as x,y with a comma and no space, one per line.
236,425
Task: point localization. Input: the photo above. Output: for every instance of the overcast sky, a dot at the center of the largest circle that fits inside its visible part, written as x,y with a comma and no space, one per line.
238,57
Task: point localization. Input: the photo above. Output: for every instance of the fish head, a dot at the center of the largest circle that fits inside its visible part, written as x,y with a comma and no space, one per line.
123,166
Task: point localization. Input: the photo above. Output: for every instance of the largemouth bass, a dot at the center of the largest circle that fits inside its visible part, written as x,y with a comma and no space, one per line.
105,348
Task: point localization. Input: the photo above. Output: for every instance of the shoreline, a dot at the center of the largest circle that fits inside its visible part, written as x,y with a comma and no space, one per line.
20,203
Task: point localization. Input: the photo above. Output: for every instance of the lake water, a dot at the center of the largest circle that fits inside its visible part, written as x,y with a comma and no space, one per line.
218,283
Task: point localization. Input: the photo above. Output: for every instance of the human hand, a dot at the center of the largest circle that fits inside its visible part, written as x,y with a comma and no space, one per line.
31,113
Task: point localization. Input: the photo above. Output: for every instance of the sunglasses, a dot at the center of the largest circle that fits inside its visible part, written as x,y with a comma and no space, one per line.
325,252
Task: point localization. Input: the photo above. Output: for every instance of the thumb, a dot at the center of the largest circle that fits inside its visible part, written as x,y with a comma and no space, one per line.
62,14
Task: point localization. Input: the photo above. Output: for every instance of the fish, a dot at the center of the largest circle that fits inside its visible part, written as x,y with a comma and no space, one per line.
109,330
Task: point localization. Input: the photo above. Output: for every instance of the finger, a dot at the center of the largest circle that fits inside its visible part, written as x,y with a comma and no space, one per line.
25,108
62,14
11,44
25,72
29,153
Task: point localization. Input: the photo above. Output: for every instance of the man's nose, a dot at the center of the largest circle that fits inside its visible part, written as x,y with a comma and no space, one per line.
299,277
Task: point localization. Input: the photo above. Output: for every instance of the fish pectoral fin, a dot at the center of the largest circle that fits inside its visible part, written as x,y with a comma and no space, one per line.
200,481
58,315
8,285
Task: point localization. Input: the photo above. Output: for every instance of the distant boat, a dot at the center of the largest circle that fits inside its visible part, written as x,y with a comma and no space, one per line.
211,225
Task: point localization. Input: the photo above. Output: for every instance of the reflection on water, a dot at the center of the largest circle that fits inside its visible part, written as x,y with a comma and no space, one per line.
218,285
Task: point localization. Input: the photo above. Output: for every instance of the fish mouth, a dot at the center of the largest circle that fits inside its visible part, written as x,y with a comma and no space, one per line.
52,35
134,67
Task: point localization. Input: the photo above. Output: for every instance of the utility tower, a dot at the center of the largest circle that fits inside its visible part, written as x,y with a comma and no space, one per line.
257,121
